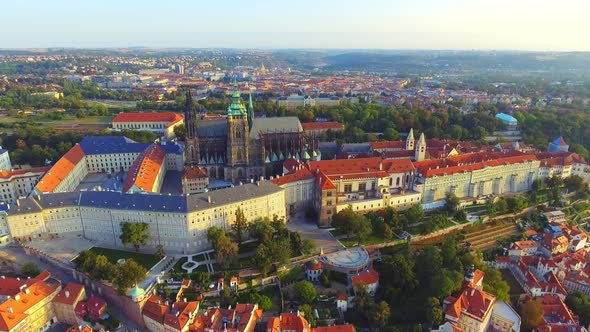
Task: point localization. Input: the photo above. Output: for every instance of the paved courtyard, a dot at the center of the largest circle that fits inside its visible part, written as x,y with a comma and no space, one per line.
64,249
309,230
172,183
94,181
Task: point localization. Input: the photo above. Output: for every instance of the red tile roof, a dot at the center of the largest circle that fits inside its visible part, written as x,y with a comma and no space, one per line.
361,167
474,302
145,169
365,278
69,294
32,171
62,168
469,162
298,175
171,118
388,145
194,173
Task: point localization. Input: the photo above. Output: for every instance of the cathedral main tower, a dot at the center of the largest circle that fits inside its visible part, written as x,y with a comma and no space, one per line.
238,139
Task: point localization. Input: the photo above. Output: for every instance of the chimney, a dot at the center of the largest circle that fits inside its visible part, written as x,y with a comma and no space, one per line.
17,202
67,294
10,311
184,299
27,291
209,199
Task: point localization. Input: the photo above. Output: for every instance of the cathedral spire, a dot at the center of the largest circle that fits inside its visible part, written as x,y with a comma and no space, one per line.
190,116
236,108
250,110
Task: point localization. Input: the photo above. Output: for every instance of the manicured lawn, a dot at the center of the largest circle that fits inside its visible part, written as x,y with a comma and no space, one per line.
146,260
372,239
248,247
178,266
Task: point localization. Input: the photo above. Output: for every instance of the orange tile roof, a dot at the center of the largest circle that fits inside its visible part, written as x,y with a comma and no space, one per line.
23,301
145,169
471,301
185,311
10,174
194,173
171,118
64,166
288,321
365,278
155,308
69,294
335,328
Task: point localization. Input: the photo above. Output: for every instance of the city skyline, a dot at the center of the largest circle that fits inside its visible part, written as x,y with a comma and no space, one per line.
376,24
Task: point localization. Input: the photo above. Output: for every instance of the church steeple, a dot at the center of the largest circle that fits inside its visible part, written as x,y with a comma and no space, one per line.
250,110
191,142
410,140
420,153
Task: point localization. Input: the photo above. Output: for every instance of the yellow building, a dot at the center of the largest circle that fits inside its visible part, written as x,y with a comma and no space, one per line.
31,309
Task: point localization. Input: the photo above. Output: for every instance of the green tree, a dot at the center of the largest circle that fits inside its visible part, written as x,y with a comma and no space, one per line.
227,251
127,275
262,230
537,185
180,131
307,313
452,202
448,250
263,259
213,235
434,312
136,234
387,232
415,214
160,253
201,278
531,314
379,315
390,134
361,227
240,225
494,284
304,291
575,183
102,269
343,220
29,269
579,303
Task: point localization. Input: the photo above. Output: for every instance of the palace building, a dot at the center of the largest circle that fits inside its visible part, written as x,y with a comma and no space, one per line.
241,148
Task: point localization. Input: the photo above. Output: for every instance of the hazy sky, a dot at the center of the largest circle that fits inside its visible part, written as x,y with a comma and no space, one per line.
408,24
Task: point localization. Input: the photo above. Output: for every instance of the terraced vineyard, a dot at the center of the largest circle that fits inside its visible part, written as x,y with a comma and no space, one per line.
486,238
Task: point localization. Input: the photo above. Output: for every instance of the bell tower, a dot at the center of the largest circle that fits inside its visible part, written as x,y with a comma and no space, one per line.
191,149
238,138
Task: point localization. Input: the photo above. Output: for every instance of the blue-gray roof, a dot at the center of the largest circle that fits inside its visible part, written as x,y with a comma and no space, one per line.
145,202
506,118
171,148
142,202
110,144
3,151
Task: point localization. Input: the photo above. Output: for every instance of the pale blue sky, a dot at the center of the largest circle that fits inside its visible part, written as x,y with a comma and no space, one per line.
408,24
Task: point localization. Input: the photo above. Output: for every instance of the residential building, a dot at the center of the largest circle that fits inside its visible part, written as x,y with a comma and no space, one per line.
66,301
30,308
313,270
241,319
162,123
160,316
291,322
368,279
319,128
